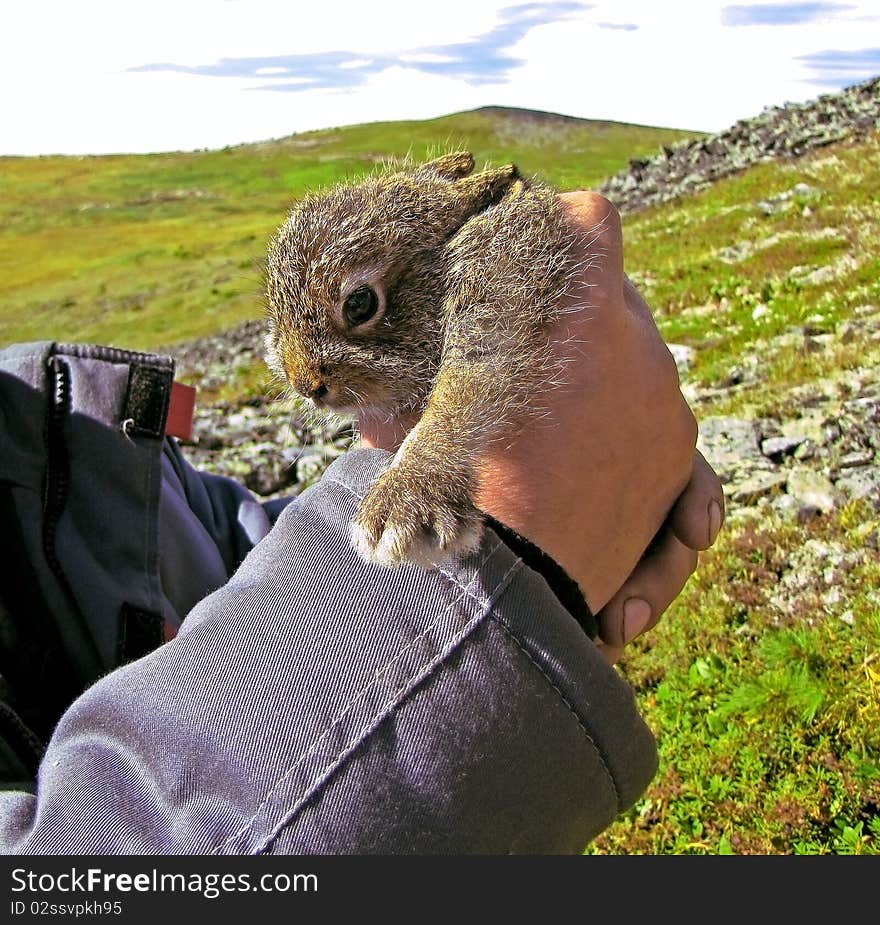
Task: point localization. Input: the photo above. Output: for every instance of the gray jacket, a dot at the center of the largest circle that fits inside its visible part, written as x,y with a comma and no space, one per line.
309,703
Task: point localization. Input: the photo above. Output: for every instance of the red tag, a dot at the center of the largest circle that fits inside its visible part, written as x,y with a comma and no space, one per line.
181,408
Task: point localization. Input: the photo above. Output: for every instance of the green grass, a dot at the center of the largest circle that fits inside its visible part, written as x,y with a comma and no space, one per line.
149,250
766,715
703,300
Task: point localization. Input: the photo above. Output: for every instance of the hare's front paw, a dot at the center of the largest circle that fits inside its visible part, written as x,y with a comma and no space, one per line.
419,520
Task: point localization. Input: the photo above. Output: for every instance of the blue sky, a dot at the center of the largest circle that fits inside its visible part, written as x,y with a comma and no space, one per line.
94,76
780,14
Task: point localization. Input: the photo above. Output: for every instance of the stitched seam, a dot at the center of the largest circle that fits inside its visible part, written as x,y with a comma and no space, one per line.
571,709
377,719
354,701
333,724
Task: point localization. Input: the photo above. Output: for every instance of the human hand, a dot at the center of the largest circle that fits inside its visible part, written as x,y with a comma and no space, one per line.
624,463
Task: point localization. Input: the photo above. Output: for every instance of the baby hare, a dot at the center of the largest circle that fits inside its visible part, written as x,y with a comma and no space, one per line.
428,289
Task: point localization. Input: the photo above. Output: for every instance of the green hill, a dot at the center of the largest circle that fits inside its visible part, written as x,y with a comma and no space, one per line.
147,250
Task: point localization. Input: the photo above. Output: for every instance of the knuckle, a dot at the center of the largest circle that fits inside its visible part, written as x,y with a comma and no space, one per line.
681,568
714,481
672,378
691,429
601,205
593,210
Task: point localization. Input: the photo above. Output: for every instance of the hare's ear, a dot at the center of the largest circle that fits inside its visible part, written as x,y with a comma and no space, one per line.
484,189
451,166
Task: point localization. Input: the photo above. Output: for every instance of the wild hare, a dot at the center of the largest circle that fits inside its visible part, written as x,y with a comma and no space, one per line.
428,289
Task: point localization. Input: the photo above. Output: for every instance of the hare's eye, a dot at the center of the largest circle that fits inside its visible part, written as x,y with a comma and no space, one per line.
360,306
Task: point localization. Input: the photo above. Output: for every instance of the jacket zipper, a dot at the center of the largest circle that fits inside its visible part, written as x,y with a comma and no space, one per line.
55,492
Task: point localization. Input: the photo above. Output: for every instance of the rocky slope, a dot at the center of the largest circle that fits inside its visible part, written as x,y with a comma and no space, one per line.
820,450
779,132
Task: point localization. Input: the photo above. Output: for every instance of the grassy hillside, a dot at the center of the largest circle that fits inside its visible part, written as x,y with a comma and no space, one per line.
800,238
142,251
763,680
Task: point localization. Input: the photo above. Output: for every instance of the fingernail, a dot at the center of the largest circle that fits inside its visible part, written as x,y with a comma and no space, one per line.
714,520
636,614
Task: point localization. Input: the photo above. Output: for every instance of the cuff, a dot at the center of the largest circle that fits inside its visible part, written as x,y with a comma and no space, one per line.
566,589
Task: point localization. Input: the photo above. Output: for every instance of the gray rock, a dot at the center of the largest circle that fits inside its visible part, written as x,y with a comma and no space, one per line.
865,310
776,448
855,459
794,337
812,489
734,253
786,506
766,207
860,483
758,485
731,447
814,343
269,476
807,450
816,425
683,356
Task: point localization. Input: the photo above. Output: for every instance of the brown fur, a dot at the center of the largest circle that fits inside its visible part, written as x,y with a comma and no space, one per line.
469,271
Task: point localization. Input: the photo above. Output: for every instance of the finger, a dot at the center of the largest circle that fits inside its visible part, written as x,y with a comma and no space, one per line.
698,513
655,582
635,302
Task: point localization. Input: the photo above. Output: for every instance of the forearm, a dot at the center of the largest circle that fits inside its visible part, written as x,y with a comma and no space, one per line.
318,704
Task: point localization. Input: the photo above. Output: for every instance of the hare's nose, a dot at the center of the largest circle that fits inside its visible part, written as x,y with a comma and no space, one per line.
316,390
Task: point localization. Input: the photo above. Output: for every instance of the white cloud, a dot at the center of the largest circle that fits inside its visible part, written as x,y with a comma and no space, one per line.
357,63
426,58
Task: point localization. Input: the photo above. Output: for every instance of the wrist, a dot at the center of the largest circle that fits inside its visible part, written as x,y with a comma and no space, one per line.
575,534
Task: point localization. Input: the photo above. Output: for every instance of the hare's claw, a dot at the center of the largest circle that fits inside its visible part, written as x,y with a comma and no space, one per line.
398,522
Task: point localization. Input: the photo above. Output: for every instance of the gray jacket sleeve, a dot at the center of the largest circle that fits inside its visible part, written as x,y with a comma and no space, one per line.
317,704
